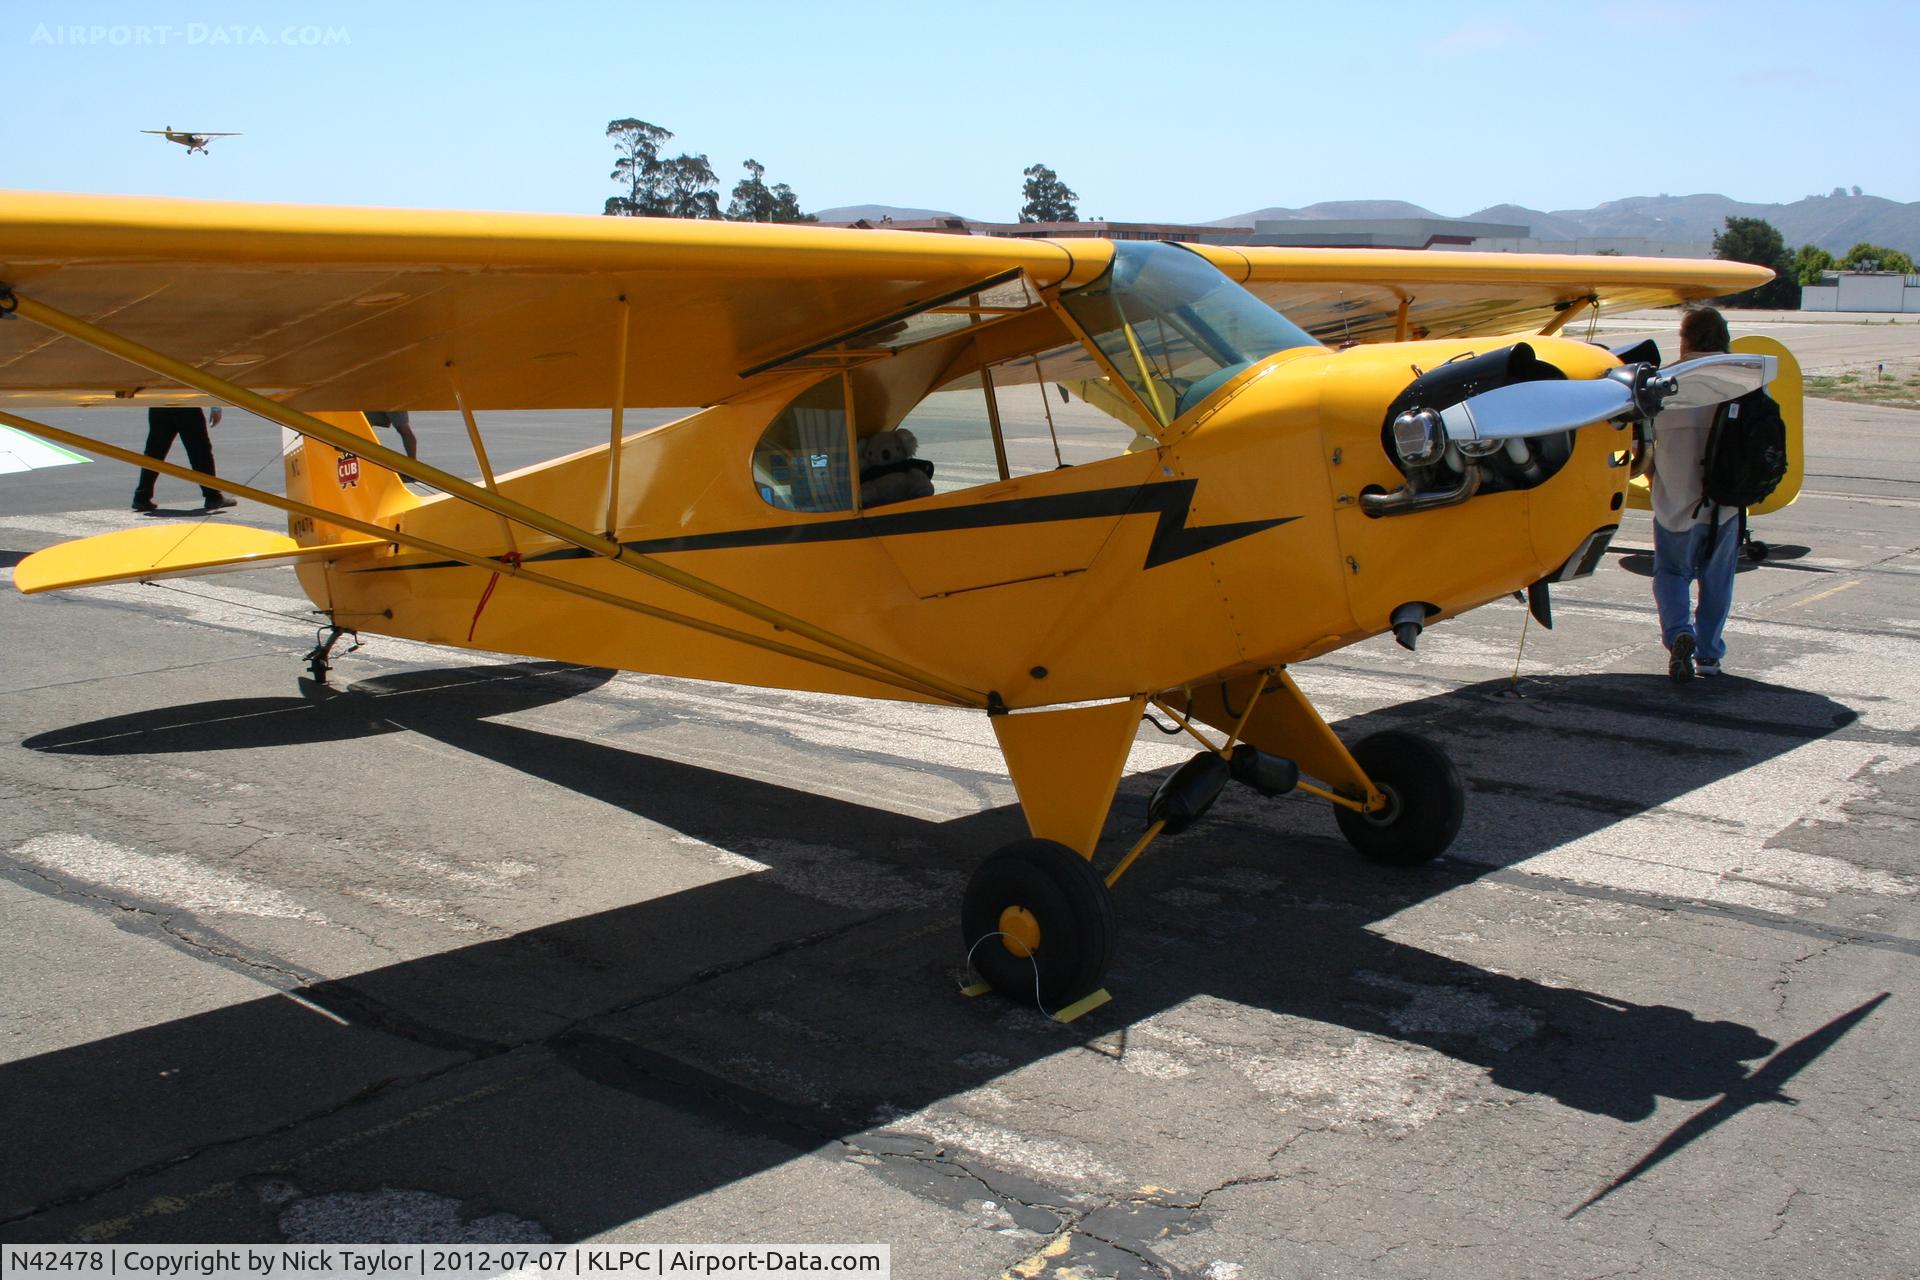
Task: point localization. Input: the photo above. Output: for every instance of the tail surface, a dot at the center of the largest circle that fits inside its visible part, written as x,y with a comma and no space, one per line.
322,476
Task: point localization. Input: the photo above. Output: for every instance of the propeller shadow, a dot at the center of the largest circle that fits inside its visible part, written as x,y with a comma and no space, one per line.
1762,1086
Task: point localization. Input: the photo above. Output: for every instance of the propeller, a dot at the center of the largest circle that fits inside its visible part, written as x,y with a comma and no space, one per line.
1706,380
1542,408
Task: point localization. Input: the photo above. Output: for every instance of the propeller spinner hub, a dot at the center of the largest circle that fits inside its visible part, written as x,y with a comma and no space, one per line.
1647,389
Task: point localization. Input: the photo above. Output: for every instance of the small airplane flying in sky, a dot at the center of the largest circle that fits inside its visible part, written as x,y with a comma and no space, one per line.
1065,484
191,141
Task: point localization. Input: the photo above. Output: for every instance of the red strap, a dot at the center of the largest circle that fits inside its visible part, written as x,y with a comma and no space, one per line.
511,558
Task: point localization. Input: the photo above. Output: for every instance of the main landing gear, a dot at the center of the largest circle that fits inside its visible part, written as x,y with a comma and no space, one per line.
1038,920
1425,800
1755,549
1039,924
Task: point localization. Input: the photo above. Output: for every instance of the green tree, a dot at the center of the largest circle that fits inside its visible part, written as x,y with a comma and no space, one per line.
688,188
1048,199
1873,257
754,201
1757,241
636,146
1810,262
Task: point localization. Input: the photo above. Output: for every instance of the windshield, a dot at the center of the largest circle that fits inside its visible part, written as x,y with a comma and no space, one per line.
1176,328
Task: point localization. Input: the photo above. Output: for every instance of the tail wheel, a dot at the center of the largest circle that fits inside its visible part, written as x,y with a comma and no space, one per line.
1038,923
1756,550
1425,800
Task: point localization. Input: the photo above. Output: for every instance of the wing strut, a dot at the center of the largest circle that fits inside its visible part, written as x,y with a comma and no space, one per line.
1567,309
479,449
598,544
619,420
442,550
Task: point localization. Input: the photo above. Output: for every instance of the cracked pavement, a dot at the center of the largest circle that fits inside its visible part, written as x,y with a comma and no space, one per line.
490,950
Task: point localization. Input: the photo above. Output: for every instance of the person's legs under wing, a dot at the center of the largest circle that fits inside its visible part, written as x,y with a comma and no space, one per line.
162,427
193,434
1673,569
1716,592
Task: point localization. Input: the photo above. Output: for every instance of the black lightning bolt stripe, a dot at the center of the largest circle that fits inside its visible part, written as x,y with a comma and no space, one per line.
1170,500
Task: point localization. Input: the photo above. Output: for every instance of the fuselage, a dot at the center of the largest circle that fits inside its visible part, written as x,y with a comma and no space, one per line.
1235,539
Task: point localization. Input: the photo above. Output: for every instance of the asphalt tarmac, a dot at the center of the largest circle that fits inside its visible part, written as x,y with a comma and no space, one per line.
495,950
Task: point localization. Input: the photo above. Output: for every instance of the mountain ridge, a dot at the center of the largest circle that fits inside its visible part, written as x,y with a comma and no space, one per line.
1834,222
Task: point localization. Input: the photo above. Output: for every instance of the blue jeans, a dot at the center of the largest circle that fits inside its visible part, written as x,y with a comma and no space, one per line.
1679,559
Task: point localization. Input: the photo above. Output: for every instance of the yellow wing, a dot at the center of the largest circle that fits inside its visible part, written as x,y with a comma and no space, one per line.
343,308
333,308
1358,294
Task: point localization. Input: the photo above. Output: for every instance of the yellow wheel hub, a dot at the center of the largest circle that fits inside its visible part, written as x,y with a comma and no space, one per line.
1019,931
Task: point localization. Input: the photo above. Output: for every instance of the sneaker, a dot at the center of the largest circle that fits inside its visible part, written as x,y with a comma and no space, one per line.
220,503
1705,668
1680,665
145,504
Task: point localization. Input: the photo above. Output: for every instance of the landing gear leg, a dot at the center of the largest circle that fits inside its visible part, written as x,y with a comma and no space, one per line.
319,659
1037,920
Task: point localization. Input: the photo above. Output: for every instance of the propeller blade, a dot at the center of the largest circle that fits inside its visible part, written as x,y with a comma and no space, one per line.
1536,409
1706,380
1541,408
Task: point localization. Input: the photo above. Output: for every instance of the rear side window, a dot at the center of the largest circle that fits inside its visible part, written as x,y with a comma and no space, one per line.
800,463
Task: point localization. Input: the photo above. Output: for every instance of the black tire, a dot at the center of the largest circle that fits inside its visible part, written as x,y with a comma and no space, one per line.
1428,800
1070,903
1756,550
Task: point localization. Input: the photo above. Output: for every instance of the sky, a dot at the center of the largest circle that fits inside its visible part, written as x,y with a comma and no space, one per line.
1150,112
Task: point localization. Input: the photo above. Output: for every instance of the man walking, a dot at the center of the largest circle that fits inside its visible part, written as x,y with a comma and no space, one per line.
190,425
1689,544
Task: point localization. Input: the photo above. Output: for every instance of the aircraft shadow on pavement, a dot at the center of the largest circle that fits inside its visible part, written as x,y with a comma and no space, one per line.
1780,555
324,715
655,1059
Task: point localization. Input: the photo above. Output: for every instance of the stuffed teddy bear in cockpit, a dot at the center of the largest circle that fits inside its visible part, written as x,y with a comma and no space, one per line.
889,472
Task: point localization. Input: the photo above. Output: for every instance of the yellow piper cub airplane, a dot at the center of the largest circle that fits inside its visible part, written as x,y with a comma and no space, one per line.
190,140
1058,482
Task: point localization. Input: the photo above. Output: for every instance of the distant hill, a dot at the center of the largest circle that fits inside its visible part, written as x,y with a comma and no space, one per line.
1836,223
875,212
1332,209
1546,226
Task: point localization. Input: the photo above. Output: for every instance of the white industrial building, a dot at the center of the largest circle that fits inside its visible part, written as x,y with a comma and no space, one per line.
1862,291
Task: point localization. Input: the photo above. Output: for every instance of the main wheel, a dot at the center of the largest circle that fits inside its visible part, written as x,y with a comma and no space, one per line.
1425,800
1038,923
1756,550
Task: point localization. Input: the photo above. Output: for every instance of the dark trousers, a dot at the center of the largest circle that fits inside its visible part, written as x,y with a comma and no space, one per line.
190,425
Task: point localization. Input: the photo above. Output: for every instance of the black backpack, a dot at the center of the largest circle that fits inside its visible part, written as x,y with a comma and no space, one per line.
1746,452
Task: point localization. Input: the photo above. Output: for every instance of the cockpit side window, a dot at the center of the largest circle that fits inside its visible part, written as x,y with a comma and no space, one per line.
1033,413
801,461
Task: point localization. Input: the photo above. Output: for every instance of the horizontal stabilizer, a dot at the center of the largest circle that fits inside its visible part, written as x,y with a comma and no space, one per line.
166,550
22,452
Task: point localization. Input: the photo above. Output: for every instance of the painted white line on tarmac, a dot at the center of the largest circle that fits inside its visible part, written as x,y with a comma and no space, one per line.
167,880
1872,501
